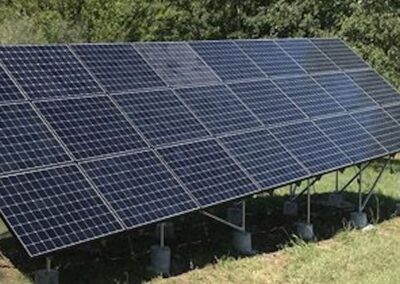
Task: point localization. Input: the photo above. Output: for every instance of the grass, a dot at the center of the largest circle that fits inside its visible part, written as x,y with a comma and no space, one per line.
202,252
350,257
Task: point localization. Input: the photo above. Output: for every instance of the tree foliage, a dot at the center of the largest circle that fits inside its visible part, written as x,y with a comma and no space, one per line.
370,26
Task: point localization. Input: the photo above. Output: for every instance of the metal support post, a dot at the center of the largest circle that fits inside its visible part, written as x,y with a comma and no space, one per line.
361,169
309,184
359,181
162,234
308,202
337,182
372,189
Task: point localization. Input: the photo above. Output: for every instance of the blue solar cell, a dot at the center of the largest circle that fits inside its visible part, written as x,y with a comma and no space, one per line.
118,67
270,57
91,126
161,117
352,138
208,172
53,209
227,60
8,90
218,108
394,111
267,101
48,71
25,141
375,86
264,158
310,97
139,188
339,53
382,127
345,91
311,147
176,63
307,55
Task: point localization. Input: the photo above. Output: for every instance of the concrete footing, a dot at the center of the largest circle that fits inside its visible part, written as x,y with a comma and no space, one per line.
160,258
358,219
235,216
45,276
397,212
335,199
242,242
290,208
305,231
169,230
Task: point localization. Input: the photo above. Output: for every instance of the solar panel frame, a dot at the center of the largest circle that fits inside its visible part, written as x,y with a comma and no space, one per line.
218,108
161,117
309,96
382,126
139,188
31,65
264,158
270,58
9,91
351,137
176,63
47,190
26,141
263,98
346,61
96,123
307,55
192,160
383,94
299,136
345,91
118,67
222,57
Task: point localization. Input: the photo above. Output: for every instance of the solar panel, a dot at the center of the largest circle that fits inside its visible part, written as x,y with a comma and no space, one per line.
264,158
90,126
345,91
307,55
227,60
375,86
176,63
161,117
48,71
310,97
8,90
356,142
208,172
267,101
270,57
53,209
139,188
382,127
118,67
311,147
394,111
339,53
25,141
218,108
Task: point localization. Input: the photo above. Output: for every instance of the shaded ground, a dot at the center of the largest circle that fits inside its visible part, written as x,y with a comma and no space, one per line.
200,242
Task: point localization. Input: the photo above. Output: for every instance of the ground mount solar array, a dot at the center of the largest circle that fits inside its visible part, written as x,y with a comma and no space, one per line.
97,139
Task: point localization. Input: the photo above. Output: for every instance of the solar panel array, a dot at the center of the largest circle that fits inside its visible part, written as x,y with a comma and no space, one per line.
101,138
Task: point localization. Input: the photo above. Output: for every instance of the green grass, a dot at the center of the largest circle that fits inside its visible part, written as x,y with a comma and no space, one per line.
350,257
